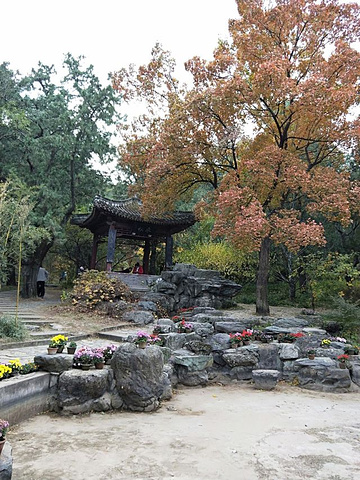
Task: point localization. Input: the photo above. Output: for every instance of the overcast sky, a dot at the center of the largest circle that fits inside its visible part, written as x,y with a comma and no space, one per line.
110,33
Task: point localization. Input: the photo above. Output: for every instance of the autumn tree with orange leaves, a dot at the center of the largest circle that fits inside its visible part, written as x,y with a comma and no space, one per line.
289,71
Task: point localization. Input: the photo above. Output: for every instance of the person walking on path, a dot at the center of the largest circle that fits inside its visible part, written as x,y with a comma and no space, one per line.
42,276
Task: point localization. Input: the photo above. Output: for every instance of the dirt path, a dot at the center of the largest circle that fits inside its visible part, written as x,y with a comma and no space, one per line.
213,433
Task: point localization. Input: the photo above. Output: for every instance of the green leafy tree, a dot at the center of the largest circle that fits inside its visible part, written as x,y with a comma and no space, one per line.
68,127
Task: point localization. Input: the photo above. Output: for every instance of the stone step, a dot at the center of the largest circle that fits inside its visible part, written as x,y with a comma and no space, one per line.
47,334
122,334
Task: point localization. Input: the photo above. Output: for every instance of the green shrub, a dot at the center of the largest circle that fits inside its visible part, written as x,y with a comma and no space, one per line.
10,328
220,256
346,315
93,289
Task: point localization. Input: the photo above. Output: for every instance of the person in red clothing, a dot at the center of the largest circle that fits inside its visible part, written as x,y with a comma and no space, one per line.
138,268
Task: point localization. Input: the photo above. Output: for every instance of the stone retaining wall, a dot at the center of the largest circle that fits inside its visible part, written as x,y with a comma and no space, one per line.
24,396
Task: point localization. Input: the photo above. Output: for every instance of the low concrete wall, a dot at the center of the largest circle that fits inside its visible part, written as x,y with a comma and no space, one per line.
25,396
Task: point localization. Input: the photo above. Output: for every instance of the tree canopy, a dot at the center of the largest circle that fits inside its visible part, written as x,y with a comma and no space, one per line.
52,129
291,73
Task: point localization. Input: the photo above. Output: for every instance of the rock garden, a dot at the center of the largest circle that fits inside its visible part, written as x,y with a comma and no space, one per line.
198,344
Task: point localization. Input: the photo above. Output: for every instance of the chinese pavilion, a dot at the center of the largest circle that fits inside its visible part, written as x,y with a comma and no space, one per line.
123,220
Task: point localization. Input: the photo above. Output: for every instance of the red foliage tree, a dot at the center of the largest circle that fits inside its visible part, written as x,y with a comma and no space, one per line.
291,72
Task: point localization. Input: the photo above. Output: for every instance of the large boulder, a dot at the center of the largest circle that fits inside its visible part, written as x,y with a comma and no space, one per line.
139,376
190,286
203,329
193,363
84,391
322,374
140,317
230,327
242,357
288,351
269,357
292,323
220,341
191,369
265,379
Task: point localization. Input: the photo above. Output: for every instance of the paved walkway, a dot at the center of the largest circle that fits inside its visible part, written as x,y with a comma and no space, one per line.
31,313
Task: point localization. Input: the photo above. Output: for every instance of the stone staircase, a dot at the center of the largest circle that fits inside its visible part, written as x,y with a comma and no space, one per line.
40,327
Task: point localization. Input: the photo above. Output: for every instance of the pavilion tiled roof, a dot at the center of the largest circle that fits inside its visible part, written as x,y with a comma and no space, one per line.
129,211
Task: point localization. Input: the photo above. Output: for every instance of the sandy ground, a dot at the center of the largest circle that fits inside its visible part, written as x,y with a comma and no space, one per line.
217,432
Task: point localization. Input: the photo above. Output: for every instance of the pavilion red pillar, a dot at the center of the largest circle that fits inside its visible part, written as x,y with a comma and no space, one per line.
94,252
111,247
146,256
168,252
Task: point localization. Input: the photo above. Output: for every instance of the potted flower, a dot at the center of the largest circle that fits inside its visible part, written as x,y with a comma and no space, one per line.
325,343
155,340
236,339
157,329
184,327
83,358
4,427
71,348
246,336
343,359
98,358
289,337
60,342
265,338
15,366
142,339
311,354
108,353
52,348
5,371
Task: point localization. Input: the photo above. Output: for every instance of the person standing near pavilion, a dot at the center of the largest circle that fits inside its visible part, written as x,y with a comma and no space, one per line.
42,276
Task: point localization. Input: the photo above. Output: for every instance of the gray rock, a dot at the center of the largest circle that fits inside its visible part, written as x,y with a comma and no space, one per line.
193,363
292,323
205,318
139,376
265,379
314,331
139,317
318,363
54,363
174,341
165,321
355,374
6,462
80,391
275,330
288,351
269,357
165,326
241,373
229,327
198,347
147,305
322,374
242,357
166,381
208,310
203,329
192,379
220,341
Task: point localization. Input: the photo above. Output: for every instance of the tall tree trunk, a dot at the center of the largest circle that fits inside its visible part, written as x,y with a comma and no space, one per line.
30,268
262,302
